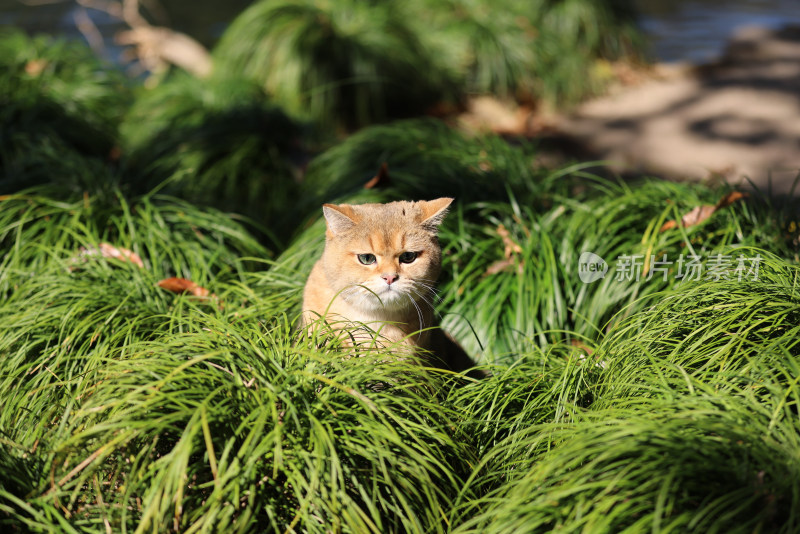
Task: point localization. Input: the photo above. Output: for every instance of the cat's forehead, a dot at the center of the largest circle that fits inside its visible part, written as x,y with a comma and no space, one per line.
392,227
401,225
399,212
389,224
382,240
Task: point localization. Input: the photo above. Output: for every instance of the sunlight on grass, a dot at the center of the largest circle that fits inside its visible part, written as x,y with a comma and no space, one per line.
647,404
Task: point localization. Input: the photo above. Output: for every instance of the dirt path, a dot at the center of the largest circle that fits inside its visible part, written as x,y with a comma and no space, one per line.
737,118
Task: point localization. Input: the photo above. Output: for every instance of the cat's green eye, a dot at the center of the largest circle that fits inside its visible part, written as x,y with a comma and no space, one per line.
407,257
366,259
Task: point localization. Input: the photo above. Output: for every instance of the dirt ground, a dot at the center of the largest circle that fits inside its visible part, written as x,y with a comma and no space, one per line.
737,119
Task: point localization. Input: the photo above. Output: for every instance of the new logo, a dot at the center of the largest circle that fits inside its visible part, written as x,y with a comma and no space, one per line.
591,267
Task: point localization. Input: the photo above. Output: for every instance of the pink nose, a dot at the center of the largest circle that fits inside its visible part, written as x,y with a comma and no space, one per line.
389,278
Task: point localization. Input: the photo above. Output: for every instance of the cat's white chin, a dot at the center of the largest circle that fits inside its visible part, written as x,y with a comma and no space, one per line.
383,299
391,299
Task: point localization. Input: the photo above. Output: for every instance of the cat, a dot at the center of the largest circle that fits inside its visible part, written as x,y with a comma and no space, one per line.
379,268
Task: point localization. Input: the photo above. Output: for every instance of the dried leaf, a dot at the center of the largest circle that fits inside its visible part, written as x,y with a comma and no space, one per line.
669,225
498,267
107,250
699,214
35,67
511,253
582,346
511,248
182,285
381,179
730,198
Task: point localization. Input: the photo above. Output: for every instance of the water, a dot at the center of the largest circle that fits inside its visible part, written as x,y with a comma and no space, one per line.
688,30
205,20
697,30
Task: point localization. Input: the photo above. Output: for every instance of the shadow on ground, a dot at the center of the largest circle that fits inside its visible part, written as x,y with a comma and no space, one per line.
737,119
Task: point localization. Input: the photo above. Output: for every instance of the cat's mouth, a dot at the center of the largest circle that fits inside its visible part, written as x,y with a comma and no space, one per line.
389,296
392,294
381,297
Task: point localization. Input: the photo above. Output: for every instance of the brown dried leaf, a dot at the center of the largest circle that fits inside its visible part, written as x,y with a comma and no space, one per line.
182,285
582,346
699,214
511,248
511,253
107,250
381,179
669,225
498,267
730,198
35,67
110,251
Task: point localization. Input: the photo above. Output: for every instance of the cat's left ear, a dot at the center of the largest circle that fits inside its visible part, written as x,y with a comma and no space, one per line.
433,212
339,218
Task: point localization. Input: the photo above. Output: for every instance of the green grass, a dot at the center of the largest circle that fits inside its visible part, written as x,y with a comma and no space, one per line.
350,63
660,405
536,296
220,143
689,465
533,51
129,406
60,106
737,337
685,419
344,63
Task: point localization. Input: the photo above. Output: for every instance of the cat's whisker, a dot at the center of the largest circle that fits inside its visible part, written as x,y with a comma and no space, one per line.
424,298
425,283
419,312
428,302
433,293
429,294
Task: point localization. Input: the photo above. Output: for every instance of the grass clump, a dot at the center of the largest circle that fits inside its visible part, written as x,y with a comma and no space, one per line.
695,464
60,110
219,143
532,51
66,307
346,63
425,159
40,235
515,280
353,63
231,426
734,336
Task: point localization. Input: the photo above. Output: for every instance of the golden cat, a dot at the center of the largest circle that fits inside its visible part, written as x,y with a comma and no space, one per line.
379,268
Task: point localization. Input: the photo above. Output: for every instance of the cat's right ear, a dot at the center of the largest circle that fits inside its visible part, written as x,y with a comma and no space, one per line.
433,212
339,218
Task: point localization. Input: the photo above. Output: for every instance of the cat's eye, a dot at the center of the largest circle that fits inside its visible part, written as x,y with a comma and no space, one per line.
366,259
407,257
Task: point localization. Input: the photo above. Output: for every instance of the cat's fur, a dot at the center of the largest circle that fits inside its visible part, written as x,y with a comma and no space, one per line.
390,296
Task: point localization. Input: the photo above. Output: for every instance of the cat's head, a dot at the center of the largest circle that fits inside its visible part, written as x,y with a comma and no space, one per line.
384,256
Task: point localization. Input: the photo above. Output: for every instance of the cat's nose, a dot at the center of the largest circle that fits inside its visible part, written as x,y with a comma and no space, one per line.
390,277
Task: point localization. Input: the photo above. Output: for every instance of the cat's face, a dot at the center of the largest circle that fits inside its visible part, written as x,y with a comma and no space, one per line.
384,256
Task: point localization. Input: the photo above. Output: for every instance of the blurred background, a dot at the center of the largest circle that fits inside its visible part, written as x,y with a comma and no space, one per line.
675,30
689,89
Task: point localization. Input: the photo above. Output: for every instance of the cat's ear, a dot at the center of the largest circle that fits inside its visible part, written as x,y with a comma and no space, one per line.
433,212
339,218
